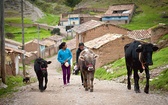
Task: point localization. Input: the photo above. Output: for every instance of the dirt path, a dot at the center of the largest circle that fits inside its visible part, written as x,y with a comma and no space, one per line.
105,93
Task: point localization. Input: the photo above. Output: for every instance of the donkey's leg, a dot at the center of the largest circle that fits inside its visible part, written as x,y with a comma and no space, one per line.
92,79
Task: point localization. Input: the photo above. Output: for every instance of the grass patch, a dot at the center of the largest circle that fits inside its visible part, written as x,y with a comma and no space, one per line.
117,69
18,20
148,18
30,33
164,37
12,82
51,7
49,19
159,58
160,82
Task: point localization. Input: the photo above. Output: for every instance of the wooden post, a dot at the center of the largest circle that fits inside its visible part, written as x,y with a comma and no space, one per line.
23,55
2,43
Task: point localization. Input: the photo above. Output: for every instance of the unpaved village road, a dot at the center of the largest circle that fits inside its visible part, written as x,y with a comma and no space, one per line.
105,93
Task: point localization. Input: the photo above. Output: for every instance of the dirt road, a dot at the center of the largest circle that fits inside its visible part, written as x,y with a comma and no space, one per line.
105,93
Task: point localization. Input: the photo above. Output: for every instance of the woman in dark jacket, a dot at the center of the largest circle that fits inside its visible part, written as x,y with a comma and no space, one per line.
79,50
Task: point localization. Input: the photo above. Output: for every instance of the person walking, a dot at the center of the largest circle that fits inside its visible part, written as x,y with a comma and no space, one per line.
64,57
79,50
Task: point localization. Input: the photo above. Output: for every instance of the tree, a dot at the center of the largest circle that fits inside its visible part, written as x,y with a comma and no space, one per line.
72,3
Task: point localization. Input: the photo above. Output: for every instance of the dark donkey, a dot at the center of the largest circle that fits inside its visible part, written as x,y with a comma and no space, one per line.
87,61
40,67
138,56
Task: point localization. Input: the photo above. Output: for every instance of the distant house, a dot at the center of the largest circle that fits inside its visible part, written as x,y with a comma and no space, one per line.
77,19
85,18
12,60
13,54
109,47
56,38
119,14
74,19
64,22
43,48
94,29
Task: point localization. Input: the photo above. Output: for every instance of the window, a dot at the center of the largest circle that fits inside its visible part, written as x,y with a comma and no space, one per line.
118,11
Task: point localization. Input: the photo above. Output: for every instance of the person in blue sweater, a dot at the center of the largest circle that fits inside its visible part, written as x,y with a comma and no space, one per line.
64,57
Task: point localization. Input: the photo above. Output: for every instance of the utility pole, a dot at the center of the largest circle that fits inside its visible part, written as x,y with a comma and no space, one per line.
39,52
23,55
2,44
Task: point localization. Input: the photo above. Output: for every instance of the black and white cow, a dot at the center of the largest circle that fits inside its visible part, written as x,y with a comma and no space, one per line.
40,67
138,56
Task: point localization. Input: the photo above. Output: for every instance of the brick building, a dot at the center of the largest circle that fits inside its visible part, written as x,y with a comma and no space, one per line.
44,48
12,54
109,47
94,29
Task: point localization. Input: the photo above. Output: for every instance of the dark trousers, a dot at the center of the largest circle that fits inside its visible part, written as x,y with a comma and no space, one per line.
66,73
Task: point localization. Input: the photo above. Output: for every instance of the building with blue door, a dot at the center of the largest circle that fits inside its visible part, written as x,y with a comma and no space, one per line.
119,14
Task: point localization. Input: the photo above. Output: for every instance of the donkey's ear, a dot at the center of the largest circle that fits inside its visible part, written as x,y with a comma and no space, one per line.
48,62
95,56
81,58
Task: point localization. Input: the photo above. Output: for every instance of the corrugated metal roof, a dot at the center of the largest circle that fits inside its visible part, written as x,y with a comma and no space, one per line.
98,42
139,34
87,26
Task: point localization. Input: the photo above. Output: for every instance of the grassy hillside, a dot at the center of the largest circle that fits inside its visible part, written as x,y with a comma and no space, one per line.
49,19
148,12
51,6
30,33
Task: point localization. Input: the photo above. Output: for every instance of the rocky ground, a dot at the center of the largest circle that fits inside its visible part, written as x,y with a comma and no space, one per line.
105,93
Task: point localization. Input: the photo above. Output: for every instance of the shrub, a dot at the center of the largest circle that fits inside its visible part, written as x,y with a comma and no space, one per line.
10,35
55,31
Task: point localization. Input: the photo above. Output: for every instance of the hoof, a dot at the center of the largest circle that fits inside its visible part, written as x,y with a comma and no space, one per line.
45,87
86,89
41,90
129,87
146,91
91,90
137,91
